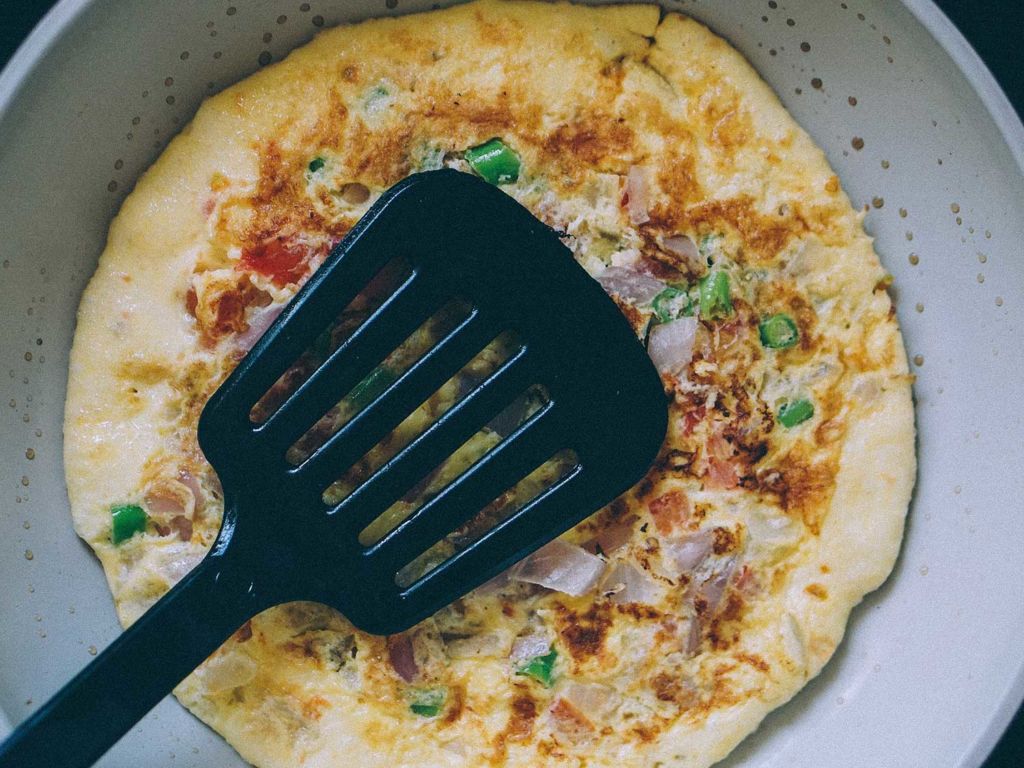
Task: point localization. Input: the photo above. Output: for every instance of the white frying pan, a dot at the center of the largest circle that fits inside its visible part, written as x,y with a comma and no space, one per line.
933,665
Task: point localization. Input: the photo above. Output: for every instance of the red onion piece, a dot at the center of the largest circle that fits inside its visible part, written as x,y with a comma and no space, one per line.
683,247
402,657
160,506
192,483
165,500
562,567
629,285
671,345
183,526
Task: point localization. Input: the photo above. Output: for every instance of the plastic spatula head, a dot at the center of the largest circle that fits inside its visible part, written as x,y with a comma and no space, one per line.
286,536
463,241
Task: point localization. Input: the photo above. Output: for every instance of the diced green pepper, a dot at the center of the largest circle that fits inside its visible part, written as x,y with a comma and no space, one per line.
379,379
125,521
494,161
714,296
795,412
540,668
316,164
779,331
672,303
427,702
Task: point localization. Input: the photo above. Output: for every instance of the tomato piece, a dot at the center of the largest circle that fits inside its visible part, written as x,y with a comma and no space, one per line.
281,261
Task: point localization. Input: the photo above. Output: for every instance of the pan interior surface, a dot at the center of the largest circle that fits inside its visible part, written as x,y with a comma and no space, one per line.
920,137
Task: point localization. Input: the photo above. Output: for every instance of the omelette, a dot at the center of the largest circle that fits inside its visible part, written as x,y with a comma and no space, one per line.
662,629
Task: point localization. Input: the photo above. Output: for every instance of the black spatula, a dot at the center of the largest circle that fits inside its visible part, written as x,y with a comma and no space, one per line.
283,538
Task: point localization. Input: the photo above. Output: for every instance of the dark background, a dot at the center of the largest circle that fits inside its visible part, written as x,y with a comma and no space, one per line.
994,27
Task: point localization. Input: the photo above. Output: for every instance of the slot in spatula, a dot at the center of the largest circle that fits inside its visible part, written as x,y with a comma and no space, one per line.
284,537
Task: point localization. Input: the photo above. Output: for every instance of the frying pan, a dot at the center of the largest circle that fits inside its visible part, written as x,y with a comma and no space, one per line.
933,665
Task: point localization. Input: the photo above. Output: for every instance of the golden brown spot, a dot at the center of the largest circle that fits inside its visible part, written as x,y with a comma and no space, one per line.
191,300
589,141
754,661
724,541
244,632
816,590
570,722
584,633
219,182
670,688
522,715
313,708
804,315
677,179
730,125
220,307
807,488
638,611
327,132
764,236
644,733
832,185
457,698
144,371
384,159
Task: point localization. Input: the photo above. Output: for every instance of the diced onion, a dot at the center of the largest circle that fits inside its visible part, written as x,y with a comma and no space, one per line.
624,583
594,700
629,285
671,345
562,567
689,553
530,646
683,247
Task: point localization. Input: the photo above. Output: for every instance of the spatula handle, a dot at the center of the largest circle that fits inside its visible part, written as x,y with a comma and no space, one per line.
89,714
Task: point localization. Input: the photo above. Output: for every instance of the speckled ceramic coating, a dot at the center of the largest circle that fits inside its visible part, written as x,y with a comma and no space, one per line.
918,133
